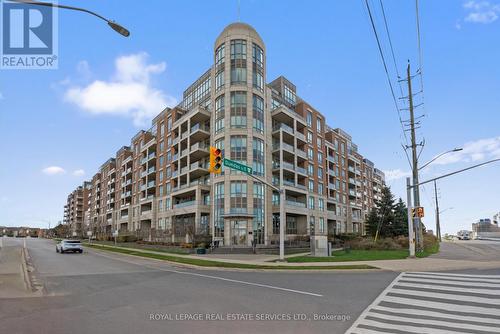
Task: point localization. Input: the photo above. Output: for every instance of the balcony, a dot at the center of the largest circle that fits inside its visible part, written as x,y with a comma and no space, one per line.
184,204
151,170
143,187
288,165
300,136
151,184
283,127
301,153
331,158
301,170
152,155
295,203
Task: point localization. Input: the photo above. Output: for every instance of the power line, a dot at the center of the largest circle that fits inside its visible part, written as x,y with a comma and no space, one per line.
385,67
419,45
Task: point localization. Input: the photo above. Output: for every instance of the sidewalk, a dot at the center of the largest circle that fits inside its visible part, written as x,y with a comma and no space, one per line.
12,281
417,264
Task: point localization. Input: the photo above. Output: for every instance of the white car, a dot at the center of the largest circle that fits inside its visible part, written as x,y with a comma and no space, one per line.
69,246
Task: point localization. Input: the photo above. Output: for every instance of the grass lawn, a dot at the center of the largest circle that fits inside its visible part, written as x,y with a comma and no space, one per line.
429,251
171,250
355,255
218,264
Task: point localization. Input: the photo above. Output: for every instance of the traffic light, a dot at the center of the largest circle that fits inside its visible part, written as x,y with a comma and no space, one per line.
215,160
417,212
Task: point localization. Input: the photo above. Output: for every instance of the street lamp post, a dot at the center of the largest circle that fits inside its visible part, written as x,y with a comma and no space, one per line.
417,221
409,187
115,26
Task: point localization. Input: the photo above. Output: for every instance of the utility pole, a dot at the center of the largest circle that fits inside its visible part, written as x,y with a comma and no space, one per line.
438,226
416,194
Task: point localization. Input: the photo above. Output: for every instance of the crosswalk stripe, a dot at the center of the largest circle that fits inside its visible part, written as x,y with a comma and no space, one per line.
459,279
453,317
408,328
445,306
433,322
447,288
449,297
456,275
462,284
434,303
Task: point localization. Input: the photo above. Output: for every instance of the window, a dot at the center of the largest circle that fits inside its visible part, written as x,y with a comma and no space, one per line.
161,176
238,75
321,226
220,54
318,125
238,61
219,80
238,109
162,146
169,124
219,209
321,204
309,118
289,95
258,113
161,130
169,141
238,197
311,185
160,191
258,55
319,142
276,224
311,203
320,188
320,173
312,224
168,172
160,205
238,49
258,210
161,160
309,137
291,225
276,198
310,153
219,114
320,158
258,80
168,188
258,157
239,148
310,169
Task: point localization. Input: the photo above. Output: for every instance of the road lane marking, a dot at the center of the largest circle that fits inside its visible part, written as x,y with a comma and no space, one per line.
457,279
214,277
452,274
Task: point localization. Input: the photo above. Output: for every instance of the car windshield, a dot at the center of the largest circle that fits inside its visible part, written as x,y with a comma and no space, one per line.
72,242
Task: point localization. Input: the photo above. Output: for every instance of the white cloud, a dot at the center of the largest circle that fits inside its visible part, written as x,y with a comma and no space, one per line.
128,93
481,12
53,170
79,172
396,174
474,151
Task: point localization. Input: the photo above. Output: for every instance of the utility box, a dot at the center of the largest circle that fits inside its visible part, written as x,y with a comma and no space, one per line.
319,245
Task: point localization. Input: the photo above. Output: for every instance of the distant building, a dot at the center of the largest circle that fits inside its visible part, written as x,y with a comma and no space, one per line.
486,228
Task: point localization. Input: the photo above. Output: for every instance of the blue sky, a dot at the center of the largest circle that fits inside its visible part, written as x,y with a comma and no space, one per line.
56,129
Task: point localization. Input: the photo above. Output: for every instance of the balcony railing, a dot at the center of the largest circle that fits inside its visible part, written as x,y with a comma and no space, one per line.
296,203
283,127
184,204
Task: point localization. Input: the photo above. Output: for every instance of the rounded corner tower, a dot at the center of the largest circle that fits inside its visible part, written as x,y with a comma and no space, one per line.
240,128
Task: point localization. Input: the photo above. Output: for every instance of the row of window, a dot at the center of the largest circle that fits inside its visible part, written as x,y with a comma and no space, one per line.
238,111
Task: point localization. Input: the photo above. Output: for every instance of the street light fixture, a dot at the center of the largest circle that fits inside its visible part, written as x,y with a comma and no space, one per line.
115,26
439,156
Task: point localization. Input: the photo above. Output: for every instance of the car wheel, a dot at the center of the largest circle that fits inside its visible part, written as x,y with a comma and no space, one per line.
81,251
57,250
62,252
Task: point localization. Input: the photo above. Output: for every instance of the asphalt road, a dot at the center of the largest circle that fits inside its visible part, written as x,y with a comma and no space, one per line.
475,250
99,292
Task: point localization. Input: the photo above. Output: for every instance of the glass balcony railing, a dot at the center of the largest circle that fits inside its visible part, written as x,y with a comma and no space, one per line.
296,203
283,127
184,204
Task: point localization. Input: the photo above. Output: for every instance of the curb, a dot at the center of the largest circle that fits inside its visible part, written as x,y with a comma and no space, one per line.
31,283
193,266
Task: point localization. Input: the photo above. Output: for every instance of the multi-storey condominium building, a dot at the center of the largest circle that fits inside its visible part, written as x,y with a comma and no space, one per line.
75,208
159,187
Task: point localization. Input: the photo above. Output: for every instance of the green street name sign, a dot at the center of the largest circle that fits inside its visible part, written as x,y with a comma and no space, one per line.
236,165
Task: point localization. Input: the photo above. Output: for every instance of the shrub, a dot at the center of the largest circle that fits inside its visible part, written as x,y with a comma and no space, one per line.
368,243
402,241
